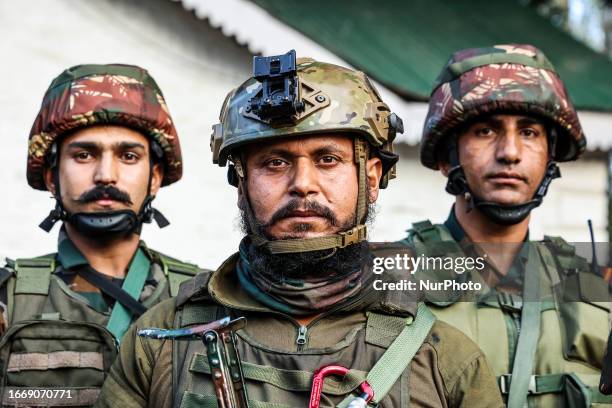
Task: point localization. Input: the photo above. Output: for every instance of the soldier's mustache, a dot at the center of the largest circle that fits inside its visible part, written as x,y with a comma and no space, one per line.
302,205
105,192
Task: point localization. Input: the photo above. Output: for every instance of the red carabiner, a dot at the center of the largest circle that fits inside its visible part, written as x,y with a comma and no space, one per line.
319,378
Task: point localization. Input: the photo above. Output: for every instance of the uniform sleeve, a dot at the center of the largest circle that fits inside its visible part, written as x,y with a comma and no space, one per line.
128,383
459,369
475,386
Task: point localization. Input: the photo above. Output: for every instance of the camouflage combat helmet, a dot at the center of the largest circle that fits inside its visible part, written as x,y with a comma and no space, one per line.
503,78
87,95
113,94
509,79
289,98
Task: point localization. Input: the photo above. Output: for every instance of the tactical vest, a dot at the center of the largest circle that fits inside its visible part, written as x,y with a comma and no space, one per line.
279,379
57,349
572,334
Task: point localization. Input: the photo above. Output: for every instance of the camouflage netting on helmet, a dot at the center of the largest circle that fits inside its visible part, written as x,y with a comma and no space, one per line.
501,79
87,95
349,104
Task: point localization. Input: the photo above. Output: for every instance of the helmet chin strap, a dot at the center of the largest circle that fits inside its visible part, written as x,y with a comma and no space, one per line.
500,214
335,241
105,224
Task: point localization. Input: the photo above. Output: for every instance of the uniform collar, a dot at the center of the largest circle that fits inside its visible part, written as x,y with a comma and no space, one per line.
457,231
223,288
514,277
453,226
70,256
67,253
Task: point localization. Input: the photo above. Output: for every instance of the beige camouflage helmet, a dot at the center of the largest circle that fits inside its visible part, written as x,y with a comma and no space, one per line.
510,78
336,99
288,98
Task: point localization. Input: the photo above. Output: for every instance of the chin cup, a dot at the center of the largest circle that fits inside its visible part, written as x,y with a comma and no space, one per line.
501,214
105,223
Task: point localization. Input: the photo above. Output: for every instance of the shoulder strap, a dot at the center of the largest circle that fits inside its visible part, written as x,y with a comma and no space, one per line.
565,255
400,353
426,232
195,287
34,275
190,312
192,302
523,364
122,314
176,271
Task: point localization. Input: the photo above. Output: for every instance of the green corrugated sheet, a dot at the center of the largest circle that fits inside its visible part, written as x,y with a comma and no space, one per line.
403,44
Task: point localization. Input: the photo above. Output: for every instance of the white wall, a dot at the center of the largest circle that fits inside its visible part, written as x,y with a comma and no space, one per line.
195,66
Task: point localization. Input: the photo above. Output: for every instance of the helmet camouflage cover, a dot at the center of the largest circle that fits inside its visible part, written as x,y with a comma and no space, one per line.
503,78
87,95
336,99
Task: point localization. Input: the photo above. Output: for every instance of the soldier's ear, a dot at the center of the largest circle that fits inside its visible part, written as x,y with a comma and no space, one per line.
49,180
373,173
156,178
240,201
444,167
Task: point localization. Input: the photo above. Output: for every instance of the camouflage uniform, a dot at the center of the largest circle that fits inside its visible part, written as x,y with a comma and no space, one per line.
280,355
59,336
569,336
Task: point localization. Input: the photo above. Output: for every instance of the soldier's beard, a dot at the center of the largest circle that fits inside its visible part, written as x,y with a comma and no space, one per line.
317,265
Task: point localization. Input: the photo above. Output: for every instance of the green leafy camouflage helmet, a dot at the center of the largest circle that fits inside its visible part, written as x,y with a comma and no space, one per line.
336,99
511,78
87,95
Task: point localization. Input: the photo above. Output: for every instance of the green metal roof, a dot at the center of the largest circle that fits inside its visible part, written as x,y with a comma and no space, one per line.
404,43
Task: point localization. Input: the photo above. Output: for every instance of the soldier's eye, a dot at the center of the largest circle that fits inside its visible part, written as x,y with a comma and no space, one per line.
276,163
129,156
328,160
484,131
83,156
529,132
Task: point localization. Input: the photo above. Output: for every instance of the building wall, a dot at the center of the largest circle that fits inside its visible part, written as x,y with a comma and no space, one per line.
195,65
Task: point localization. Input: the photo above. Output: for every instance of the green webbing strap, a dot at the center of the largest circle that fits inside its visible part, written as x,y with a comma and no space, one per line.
361,156
426,231
121,317
522,367
340,240
34,275
538,384
382,330
429,233
193,400
389,368
456,69
177,272
289,380
565,255
194,313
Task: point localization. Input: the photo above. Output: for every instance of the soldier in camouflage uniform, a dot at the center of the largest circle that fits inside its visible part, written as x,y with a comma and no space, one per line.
302,276
499,119
103,143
